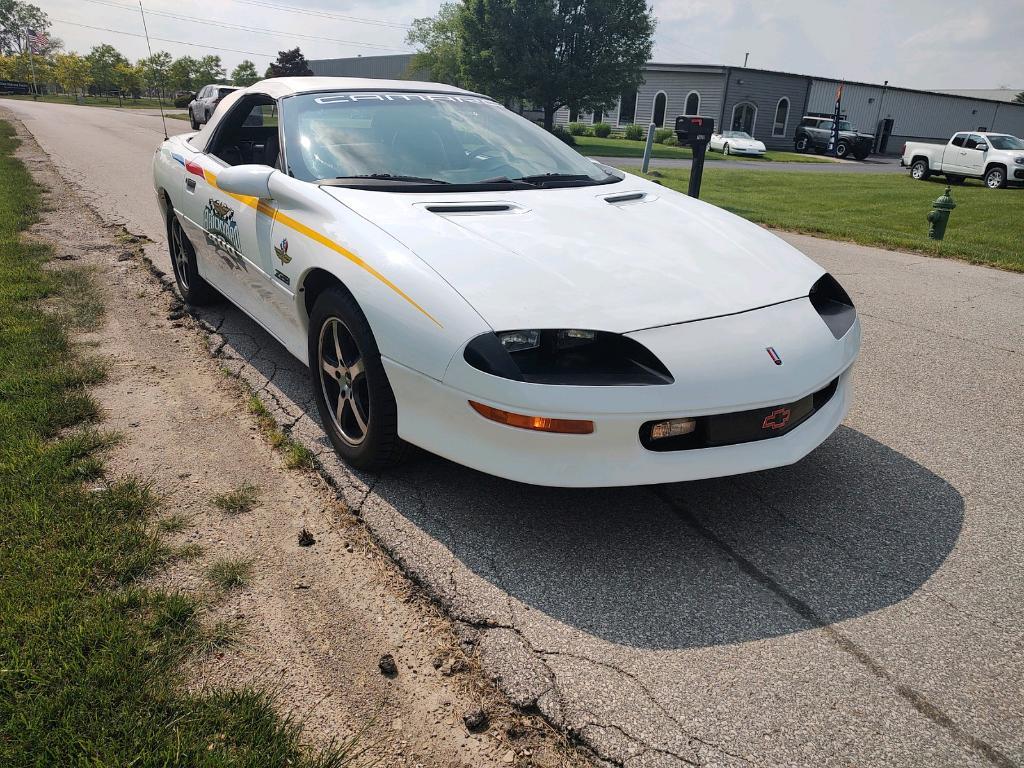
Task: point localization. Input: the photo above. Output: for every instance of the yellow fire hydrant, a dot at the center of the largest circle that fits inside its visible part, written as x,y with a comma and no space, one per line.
938,216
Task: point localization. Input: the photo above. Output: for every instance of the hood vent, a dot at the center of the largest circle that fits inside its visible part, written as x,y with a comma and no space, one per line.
627,197
448,209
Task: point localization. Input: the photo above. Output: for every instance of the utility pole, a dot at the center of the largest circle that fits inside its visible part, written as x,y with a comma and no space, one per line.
878,118
746,56
32,66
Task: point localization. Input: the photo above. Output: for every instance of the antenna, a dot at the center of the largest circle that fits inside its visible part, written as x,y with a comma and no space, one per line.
159,98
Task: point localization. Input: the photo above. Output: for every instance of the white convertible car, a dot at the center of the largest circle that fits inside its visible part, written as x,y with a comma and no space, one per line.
459,279
736,143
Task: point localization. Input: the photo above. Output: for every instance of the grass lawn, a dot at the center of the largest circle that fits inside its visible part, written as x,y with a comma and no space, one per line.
89,657
99,101
887,210
595,147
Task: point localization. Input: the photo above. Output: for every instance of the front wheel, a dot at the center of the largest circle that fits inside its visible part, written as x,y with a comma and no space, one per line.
725,150
803,144
842,150
193,289
353,395
995,178
919,170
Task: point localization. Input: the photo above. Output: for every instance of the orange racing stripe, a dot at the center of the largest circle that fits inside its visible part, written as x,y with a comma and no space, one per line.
312,234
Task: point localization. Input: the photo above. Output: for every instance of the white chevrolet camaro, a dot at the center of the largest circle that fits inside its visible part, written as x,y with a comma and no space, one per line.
736,143
459,279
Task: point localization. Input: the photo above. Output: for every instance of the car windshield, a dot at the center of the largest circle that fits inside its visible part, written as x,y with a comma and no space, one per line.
737,135
1006,142
395,138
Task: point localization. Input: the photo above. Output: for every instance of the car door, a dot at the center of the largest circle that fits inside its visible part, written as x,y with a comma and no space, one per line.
974,154
232,235
953,154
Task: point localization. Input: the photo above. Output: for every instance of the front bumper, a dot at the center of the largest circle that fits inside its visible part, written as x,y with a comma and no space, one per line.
720,366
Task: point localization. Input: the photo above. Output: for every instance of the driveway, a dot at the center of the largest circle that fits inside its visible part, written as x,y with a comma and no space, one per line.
863,607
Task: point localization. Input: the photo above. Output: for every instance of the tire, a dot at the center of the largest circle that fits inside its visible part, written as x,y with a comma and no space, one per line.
954,179
349,379
995,177
803,144
192,120
725,149
919,170
193,289
842,150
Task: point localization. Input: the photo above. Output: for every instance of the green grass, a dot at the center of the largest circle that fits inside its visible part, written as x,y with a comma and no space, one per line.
886,210
98,101
592,146
91,660
228,573
235,502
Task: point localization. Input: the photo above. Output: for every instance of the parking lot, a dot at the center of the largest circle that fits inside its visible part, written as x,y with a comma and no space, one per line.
863,607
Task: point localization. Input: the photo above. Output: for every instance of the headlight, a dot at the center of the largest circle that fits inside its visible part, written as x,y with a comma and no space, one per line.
833,304
572,356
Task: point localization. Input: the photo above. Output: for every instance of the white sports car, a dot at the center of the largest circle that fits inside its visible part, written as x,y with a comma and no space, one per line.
736,143
459,279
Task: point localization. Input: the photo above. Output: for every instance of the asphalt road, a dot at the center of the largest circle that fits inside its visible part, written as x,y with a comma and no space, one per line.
863,607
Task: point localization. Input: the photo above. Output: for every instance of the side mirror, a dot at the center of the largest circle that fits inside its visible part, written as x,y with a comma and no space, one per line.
983,147
247,180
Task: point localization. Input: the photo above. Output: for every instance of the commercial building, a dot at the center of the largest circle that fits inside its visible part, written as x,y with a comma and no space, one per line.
764,103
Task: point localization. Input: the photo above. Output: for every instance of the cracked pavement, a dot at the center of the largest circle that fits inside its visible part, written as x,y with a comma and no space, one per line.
863,607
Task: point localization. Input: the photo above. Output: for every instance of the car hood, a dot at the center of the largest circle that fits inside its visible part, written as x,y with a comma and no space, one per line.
744,143
586,258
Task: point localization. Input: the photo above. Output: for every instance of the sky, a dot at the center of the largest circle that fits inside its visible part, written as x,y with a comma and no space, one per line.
911,43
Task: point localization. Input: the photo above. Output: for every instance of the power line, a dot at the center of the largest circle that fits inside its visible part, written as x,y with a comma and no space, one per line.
325,14
258,30
166,39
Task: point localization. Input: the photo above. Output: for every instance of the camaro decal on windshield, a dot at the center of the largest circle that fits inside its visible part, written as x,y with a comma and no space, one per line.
354,97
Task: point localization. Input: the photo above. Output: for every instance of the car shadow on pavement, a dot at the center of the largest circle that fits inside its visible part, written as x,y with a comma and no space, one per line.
851,529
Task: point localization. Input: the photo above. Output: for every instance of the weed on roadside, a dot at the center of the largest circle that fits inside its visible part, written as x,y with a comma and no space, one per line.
175,523
296,455
228,573
241,499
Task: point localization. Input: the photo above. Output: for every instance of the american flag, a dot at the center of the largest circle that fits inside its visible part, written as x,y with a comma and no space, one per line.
37,41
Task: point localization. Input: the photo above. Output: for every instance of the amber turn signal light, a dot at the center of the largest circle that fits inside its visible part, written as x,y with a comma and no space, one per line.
537,423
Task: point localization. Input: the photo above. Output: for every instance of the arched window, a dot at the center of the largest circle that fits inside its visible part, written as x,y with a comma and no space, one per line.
659,109
744,116
692,103
781,117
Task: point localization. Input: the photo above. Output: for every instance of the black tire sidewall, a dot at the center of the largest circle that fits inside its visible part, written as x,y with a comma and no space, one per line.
382,446
842,150
924,172
992,171
198,292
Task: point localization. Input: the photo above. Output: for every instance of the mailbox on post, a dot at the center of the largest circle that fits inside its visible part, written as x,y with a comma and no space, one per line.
695,131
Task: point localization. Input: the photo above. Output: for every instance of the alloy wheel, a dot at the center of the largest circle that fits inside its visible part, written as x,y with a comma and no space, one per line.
179,254
343,379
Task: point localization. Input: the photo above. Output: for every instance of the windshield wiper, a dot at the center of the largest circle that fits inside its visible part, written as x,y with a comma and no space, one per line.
390,177
549,178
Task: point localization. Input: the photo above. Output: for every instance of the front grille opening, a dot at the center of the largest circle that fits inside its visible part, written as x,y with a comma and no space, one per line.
742,426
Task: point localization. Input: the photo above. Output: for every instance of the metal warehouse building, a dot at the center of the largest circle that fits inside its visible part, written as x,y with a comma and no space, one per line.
764,103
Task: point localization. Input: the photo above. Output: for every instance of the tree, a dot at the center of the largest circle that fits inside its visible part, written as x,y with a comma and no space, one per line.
128,78
156,71
181,74
555,53
289,64
245,74
16,18
1019,98
72,72
209,70
103,63
438,41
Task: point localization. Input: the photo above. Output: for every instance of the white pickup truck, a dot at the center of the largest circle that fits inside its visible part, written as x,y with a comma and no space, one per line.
997,158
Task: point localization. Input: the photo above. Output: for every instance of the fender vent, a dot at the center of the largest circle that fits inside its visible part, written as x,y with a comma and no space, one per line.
472,208
628,197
